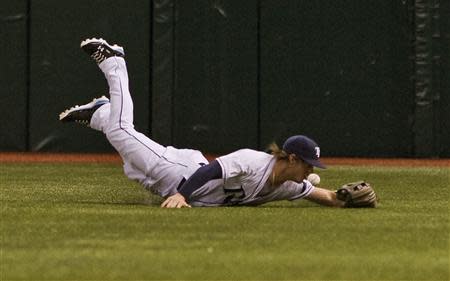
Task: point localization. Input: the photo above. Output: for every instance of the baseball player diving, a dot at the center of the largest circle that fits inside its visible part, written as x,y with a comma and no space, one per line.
183,177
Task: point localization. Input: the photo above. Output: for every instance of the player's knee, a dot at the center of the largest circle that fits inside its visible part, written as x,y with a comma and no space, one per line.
113,132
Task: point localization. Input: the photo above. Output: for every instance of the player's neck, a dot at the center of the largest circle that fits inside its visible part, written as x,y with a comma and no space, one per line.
278,176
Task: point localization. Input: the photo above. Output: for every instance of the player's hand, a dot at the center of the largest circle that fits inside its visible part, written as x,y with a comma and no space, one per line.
175,201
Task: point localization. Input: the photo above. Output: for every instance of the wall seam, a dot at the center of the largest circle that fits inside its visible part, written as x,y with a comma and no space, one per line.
28,77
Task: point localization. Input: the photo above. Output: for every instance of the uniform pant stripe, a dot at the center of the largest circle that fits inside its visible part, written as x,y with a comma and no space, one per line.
132,135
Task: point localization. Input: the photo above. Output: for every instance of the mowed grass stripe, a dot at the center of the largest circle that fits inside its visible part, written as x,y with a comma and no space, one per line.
88,222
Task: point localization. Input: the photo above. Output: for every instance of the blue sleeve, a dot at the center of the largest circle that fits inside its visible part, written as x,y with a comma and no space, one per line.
204,174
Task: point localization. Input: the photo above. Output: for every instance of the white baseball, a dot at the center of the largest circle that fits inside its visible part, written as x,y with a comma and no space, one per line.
314,179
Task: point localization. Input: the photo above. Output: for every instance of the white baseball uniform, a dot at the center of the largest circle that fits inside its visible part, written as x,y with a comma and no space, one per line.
161,169
246,181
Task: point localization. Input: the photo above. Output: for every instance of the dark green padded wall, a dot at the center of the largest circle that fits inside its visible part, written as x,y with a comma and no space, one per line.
13,73
163,69
445,79
338,71
229,74
215,99
62,75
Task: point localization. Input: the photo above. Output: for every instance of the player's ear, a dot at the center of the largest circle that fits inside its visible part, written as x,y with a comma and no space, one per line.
292,159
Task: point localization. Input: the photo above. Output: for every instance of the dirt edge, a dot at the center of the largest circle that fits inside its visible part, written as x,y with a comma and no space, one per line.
34,157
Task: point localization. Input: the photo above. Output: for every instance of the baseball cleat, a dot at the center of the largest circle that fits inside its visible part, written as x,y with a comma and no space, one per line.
83,113
99,49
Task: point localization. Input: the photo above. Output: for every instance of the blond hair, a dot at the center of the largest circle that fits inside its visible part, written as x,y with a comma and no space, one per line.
276,151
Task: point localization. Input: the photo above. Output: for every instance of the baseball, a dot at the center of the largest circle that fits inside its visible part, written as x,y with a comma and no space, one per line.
314,179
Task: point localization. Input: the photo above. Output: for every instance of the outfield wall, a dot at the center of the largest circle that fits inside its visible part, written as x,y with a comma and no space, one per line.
363,78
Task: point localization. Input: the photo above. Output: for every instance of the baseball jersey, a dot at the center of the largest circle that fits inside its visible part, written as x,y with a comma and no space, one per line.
244,181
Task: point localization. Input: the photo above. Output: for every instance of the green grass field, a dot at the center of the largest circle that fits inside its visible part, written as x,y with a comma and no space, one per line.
88,222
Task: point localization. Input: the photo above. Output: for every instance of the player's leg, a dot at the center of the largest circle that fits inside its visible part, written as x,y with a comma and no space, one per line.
96,115
134,147
115,118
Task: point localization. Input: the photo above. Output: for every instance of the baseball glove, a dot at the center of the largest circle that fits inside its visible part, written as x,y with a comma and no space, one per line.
357,195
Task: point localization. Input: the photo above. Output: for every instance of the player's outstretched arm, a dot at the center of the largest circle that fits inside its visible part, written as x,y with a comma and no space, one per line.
325,197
